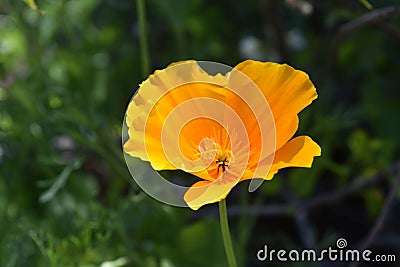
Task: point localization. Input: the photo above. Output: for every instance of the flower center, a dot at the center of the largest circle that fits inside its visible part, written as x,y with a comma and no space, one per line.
216,152
222,160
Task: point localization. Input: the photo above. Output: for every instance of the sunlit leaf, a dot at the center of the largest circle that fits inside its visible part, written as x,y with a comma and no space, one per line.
367,4
31,4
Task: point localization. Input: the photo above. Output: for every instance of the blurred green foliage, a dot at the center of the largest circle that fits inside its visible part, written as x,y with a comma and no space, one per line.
68,71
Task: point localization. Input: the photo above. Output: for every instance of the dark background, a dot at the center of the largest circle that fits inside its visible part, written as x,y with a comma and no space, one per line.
69,69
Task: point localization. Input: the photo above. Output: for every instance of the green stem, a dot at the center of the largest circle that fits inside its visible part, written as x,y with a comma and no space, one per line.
144,53
226,236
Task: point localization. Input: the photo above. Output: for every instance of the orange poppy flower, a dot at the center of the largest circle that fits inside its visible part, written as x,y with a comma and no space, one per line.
221,128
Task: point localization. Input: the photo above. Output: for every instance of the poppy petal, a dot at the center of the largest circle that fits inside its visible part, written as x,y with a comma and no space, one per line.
288,91
153,103
207,192
298,152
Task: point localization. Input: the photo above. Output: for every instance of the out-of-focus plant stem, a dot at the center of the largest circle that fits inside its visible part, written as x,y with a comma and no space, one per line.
144,52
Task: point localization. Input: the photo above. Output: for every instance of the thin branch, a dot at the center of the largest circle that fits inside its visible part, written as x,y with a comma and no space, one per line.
271,14
236,210
347,28
301,217
304,228
357,185
367,18
144,50
382,216
388,28
290,209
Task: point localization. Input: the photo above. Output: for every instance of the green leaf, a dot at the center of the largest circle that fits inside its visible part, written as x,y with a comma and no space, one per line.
366,4
31,4
60,181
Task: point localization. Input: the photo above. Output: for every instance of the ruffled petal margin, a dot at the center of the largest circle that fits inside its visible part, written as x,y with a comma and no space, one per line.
287,90
298,152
